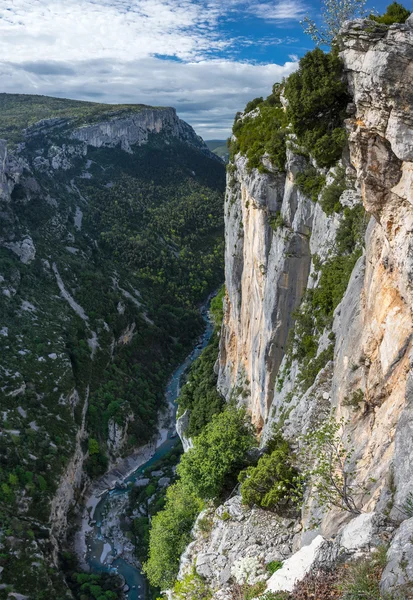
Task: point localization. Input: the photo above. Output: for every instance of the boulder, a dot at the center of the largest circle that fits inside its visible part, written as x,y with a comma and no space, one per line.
398,574
296,567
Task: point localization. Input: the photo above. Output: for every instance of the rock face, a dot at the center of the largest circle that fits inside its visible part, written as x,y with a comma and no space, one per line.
128,130
398,573
266,275
269,269
235,532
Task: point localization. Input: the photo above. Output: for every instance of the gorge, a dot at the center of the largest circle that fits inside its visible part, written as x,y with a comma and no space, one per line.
296,419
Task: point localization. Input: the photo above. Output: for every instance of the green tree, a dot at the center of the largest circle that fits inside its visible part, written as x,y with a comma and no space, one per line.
317,100
334,13
170,534
395,13
327,460
273,482
219,453
93,446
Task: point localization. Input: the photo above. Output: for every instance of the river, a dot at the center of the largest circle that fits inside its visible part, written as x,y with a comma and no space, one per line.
100,547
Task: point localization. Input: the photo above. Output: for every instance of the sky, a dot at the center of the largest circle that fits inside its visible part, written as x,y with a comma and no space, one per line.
207,58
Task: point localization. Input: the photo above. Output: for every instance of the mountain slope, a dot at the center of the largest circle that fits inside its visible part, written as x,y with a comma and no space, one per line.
110,236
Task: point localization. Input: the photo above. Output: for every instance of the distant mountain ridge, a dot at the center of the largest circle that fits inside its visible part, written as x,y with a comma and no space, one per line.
111,235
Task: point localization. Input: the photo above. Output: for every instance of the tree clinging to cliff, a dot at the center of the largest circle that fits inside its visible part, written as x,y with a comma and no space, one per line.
334,14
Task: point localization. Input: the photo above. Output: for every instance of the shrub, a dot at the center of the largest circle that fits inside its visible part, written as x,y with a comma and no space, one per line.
276,221
253,104
310,182
218,454
330,198
272,483
191,587
200,394
170,534
326,456
395,13
311,368
334,278
273,566
265,133
317,100
217,307
351,231
354,400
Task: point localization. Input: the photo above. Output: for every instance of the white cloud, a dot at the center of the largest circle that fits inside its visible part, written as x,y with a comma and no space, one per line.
283,10
109,51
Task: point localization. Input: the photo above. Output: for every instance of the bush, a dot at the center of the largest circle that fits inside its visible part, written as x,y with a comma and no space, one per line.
334,278
219,453
271,484
273,566
330,198
311,368
199,395
317,99
350,235
253,104
191,587
262,134
217,307
327,460
310,182
395,13
170,534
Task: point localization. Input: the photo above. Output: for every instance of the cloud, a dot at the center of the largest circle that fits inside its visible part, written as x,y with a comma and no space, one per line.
158,52
283,10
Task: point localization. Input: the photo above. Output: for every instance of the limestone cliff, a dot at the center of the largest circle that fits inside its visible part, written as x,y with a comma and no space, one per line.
368,342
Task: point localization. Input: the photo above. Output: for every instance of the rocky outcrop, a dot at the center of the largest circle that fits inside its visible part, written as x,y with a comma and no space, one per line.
269,269
398,575
135,128
182,423
234,532
266,275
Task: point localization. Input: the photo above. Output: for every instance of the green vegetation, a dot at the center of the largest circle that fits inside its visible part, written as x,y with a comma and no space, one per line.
149,499
87,586
205,471
137,242
191,587
318,304
362,577
262,134
330,198
199,395
354,400
276,221
326,459
274,566
170,534
218,455
19,111
271,483
395,13
310,182
317,100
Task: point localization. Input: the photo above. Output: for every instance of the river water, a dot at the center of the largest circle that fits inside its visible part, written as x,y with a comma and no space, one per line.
98,546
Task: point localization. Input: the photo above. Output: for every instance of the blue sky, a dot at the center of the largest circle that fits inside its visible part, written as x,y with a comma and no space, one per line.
205,57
